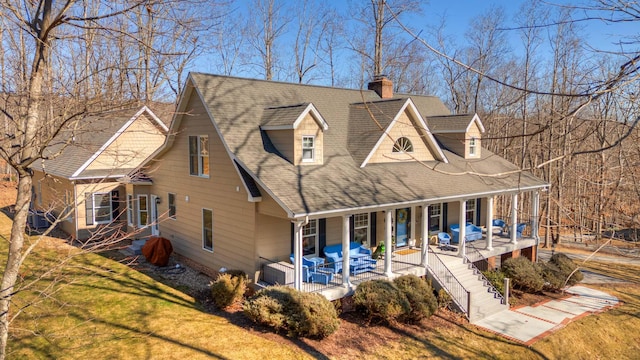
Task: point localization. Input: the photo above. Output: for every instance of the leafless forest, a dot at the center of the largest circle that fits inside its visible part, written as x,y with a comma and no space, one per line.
552,101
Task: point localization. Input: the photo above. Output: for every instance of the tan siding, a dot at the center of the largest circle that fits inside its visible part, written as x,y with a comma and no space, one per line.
404,127
134,145
308,127
334,231
233,215
84,230
268,206
453,214
273,241
283,141
56,194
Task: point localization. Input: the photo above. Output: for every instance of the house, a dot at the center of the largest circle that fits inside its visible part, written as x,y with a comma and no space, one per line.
80,177
254,171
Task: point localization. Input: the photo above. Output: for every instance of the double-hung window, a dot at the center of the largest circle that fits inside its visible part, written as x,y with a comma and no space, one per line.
435,217
473,145
143,210
308,148
361,228
207,229
172,205
310,238
98,208
471,211
199,155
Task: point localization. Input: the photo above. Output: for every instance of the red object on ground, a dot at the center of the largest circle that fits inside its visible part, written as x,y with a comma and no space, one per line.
157,250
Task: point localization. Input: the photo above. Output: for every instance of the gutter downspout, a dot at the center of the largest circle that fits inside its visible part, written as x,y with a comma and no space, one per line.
75,208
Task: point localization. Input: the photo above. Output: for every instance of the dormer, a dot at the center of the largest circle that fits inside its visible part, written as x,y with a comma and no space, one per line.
390,131
461,134
297,132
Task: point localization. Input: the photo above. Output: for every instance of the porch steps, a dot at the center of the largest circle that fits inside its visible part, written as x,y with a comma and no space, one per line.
483,301
136,246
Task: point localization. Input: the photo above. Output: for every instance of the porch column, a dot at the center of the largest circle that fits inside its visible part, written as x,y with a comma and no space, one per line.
535,204
345,250
462,252
534,222
387,242
297,255
489,225
514,218
424,246
412,233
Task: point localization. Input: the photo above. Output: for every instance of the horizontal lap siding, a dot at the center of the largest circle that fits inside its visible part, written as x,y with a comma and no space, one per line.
334,231
223,192
84,230
53,191
273,241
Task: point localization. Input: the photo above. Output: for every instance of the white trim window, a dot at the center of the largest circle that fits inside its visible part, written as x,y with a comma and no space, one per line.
98,208
471,211
473,145
308,148
130,209
310,238
435,217
143,211
361,228
207,229
171,199
199,155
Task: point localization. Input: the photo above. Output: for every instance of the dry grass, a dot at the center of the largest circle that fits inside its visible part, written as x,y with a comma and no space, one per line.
94,308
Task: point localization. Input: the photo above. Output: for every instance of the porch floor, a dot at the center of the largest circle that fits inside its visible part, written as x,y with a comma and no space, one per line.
407,261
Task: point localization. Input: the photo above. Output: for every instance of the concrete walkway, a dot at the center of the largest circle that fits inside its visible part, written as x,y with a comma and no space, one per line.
531,323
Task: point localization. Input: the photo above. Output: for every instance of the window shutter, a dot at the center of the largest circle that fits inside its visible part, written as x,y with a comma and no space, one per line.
478,210
115,204
322,235
88,208
445,224
352,231
372,229
293,236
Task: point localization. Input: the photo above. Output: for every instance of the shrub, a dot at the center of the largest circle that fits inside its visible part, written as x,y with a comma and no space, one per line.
237,273
300,314
559,272
381,299
444,299
227,289
496,278
524,274
420,296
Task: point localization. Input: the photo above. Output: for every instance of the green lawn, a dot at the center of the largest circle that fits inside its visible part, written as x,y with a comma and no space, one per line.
95,308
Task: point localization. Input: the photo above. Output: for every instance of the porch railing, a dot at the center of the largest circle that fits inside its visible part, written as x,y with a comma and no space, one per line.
485,281
479,261
406,259
283,273
459,294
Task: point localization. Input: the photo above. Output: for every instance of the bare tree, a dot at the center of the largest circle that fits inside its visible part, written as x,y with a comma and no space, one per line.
267,23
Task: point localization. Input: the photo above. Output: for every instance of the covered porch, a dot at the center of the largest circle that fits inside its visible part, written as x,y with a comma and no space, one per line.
489,251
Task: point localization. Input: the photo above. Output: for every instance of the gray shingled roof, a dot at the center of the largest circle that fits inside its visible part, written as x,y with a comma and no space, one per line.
282,115
75,145
238,107
366,123
449,123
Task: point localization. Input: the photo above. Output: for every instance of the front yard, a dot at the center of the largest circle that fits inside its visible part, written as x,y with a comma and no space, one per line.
94,307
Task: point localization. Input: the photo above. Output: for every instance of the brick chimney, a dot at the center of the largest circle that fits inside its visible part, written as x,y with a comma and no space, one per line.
382,86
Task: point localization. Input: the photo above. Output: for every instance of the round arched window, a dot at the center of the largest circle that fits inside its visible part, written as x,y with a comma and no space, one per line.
403,145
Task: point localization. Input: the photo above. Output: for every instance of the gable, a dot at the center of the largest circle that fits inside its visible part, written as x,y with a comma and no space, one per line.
406,127
134,144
